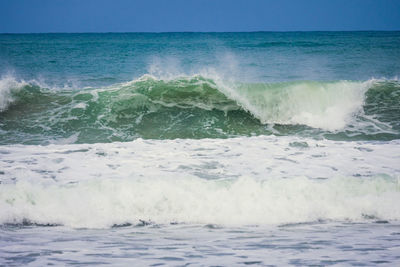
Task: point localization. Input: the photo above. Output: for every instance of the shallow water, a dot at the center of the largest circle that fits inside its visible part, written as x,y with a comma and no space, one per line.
316,243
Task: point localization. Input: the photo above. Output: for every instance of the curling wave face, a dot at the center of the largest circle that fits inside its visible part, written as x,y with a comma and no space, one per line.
198,107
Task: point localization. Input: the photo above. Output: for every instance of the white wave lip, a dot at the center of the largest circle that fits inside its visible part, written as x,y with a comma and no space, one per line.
239,181
8,86
329,106
326,105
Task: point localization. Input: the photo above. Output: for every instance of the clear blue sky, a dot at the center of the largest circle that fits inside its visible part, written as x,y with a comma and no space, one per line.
27,16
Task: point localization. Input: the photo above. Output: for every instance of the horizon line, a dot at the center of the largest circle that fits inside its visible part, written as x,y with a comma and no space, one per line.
159,32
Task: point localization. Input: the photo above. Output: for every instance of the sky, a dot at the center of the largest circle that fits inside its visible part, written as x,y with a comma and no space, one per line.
35,16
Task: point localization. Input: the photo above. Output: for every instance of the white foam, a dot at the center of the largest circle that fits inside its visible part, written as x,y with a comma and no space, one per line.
8,86
80,106
104,202
239,181
329,106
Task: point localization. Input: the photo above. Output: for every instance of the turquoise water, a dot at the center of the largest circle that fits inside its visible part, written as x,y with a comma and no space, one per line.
200,148
119,87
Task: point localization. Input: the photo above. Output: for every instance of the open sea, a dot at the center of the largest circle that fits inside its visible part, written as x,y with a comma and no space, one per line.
200,149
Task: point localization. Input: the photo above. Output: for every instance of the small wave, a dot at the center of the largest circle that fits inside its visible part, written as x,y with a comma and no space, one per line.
14,92
8,87
289,44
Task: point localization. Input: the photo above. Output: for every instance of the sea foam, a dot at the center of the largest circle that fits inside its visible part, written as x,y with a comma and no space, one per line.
238,181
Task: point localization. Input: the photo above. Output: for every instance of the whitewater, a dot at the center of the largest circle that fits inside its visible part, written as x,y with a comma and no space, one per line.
202,149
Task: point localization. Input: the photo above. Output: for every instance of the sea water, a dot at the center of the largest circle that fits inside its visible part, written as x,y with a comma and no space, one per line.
200,148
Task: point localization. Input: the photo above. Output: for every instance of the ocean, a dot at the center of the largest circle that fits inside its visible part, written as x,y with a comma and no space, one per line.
200,149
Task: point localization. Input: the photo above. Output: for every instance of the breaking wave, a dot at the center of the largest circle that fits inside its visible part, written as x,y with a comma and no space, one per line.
197,106
104,203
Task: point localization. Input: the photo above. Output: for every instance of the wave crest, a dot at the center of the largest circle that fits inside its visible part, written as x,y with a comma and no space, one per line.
183,92
199,106
8,87
325,105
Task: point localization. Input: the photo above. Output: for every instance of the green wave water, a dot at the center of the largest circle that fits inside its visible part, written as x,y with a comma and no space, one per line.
199,107
89,88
